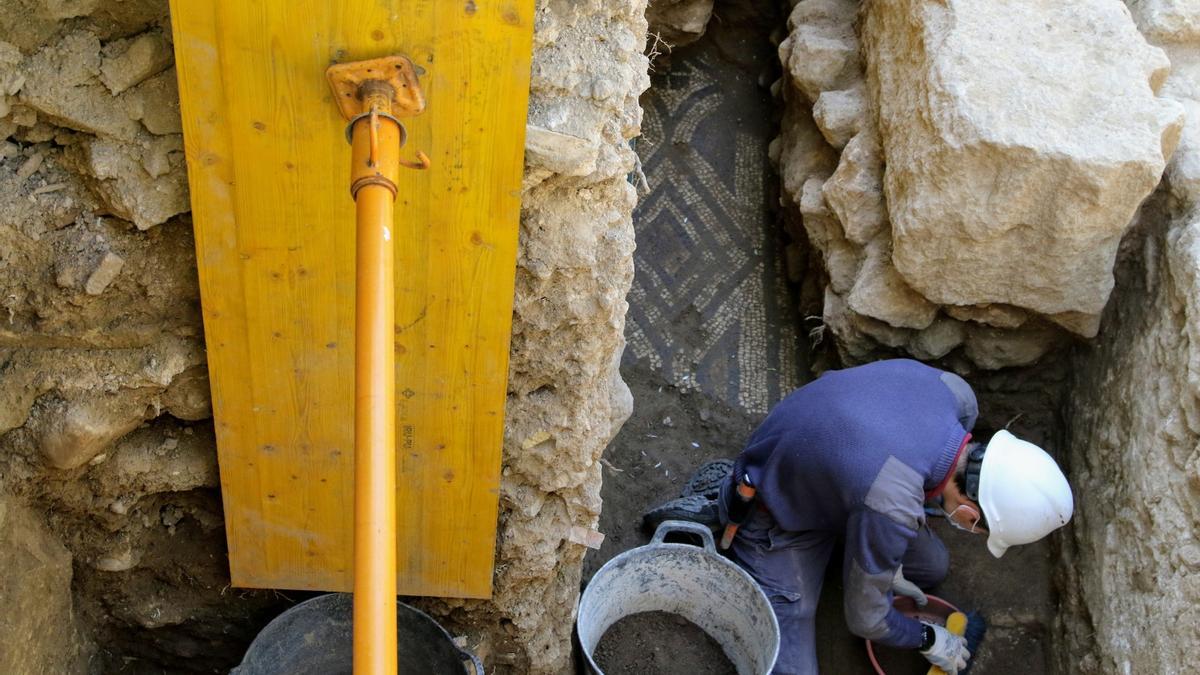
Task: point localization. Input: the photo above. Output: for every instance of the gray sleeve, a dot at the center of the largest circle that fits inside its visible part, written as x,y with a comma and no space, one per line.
875,545
968,407
877,535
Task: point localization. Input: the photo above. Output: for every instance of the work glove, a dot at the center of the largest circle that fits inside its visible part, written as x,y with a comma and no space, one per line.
948,652
902,586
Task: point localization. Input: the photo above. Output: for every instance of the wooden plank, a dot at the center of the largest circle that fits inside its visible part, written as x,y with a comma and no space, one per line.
274,223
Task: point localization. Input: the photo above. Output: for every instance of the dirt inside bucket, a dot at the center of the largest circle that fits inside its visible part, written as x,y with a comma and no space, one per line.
660,643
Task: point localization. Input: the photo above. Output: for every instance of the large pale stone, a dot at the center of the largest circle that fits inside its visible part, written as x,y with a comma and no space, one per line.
1018,138
189,397
854,345
38,630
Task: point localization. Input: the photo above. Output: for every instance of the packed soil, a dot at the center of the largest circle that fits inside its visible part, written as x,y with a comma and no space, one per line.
671,433
660,643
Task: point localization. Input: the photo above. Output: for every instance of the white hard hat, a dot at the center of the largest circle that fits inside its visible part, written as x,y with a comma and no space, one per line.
1023,493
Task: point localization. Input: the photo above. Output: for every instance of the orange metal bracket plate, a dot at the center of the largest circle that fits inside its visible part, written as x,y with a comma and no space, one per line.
274,225
397,71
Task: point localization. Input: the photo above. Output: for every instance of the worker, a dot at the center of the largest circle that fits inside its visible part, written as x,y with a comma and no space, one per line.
855,457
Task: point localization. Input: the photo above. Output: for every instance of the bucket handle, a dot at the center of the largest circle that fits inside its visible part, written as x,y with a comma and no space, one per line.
669,526
476,663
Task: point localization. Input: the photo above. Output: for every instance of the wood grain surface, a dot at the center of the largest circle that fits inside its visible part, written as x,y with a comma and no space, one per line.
268,169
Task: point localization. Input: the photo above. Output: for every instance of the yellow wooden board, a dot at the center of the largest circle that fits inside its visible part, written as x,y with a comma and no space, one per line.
268,167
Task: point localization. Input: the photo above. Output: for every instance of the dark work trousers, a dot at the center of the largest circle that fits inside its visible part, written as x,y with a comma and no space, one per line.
790,566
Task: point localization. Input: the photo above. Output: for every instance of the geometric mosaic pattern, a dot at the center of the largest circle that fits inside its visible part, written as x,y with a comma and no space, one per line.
710,308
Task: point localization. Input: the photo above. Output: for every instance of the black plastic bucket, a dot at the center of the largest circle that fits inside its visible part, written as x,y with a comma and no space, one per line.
315,638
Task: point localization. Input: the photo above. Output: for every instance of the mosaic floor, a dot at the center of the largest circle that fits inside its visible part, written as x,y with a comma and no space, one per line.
710,309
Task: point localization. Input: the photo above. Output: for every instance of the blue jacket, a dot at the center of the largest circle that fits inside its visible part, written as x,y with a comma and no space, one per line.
856,452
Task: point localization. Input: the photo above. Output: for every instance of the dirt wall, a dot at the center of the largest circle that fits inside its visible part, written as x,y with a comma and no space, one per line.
1132,556
1129,566
106,446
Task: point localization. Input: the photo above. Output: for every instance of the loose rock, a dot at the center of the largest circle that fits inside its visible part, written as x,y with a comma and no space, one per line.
104,274
132,61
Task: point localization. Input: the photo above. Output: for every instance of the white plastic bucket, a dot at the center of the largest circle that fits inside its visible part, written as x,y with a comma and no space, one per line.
693,582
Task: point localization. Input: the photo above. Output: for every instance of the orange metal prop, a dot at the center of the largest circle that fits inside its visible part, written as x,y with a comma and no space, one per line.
374,413
375,162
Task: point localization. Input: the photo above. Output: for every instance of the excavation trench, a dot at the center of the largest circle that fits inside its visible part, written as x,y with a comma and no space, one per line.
112,542
701,382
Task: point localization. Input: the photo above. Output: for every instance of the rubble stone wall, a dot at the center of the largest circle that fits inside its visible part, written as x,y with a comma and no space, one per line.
105,433
964,170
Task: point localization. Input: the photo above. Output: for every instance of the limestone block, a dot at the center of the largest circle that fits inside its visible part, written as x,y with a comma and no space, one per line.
842,258
803,152
81,428
1079,323
620,399
11,78
1000,316
61,83
130,62
38,627
994,348
821,52
1184,172
104,274
860,338
943,336
1019,138
189,396
678,22
1183,85
855,190
155,103
854,347
842,114
1167,20
881,293
124,177
560,153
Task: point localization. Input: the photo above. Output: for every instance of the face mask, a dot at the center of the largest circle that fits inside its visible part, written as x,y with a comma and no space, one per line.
954,523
